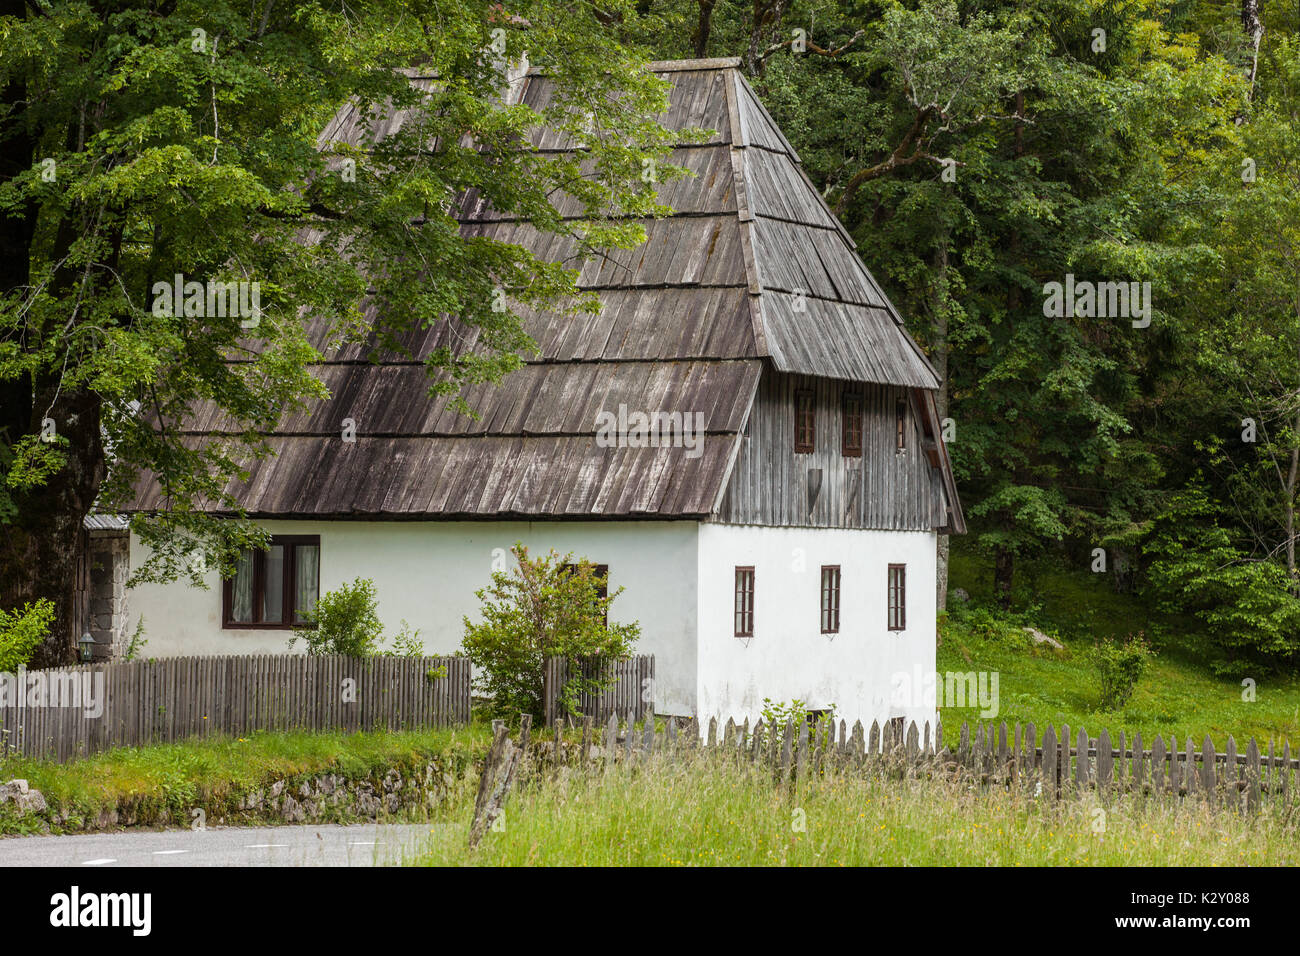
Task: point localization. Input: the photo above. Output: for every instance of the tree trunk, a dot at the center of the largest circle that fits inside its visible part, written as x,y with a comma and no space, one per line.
1004,566
703,27
1289,490
43,543
939,356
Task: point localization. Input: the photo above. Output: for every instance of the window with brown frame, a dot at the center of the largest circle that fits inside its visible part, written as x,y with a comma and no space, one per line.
900,431
805,421
897,597
830,599
602,590
273,589
851,426
744,608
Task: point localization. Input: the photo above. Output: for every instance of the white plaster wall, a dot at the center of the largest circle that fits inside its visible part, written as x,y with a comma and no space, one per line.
426,572
788,657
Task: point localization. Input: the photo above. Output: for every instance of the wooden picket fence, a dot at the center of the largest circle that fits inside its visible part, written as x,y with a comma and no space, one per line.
171,699
1060,766
628,692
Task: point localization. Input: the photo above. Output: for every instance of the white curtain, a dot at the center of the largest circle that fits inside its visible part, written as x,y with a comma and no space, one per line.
241,589
307,565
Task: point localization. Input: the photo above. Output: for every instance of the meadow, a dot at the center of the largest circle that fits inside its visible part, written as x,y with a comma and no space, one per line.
711,811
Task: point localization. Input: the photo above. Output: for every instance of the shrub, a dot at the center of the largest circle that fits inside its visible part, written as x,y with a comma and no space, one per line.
345,620
406,642
1120,665
542,608
22,631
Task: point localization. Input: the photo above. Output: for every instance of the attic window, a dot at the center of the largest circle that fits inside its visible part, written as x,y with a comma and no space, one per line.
805,421
900,420
851,426
273,589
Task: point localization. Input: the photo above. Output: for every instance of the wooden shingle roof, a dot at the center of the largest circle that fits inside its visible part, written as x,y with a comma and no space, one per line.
752,267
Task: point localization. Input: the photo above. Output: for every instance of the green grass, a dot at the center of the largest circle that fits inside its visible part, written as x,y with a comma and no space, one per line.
176,774
1179,693
708,812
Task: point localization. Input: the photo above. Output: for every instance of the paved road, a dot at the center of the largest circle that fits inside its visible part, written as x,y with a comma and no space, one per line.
324,845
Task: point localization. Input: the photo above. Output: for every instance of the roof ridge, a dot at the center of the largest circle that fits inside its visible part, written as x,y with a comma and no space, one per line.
684,66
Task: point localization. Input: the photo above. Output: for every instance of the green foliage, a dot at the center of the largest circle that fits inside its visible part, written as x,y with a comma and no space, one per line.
137,642
1247,606
778,713
344,621
22,631
543,607
1120,666
406,642
985,623
147,141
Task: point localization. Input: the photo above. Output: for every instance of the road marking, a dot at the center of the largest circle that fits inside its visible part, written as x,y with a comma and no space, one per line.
168,852
262,846
366,843
98,862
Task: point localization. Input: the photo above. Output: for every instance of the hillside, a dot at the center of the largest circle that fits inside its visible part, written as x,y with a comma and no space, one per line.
1178,694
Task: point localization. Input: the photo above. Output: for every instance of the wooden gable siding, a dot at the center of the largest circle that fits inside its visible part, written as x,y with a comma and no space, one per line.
884,489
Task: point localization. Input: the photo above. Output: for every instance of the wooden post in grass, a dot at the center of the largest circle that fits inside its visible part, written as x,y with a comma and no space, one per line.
1252,776
1047,770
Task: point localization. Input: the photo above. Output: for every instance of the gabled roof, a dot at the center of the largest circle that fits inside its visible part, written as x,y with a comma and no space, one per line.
752,266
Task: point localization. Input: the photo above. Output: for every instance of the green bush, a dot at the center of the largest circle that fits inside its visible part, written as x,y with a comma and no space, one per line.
1120,665
345,622
22,631
542,608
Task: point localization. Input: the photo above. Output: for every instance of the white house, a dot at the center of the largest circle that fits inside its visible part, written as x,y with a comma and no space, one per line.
774,521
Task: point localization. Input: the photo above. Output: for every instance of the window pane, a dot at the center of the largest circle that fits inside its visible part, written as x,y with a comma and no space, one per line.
273,589
241,590
307,584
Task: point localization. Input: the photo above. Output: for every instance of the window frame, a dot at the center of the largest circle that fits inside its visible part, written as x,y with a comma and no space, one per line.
829,612
856,417
802,396
896,613
900,425
289,542
600,571
740,610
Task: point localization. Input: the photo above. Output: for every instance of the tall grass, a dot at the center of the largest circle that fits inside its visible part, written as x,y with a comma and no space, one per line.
707,811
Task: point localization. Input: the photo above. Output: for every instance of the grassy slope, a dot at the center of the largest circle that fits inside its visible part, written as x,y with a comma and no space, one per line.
222,764
1178,694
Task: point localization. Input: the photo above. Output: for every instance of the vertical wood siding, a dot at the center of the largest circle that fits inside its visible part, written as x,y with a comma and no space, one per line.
885,489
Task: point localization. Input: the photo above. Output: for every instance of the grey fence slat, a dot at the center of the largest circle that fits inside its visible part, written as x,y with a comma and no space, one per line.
175,698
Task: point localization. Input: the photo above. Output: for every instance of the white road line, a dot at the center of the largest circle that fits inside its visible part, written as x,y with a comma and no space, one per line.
97,862
262,846
366,843
168,852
